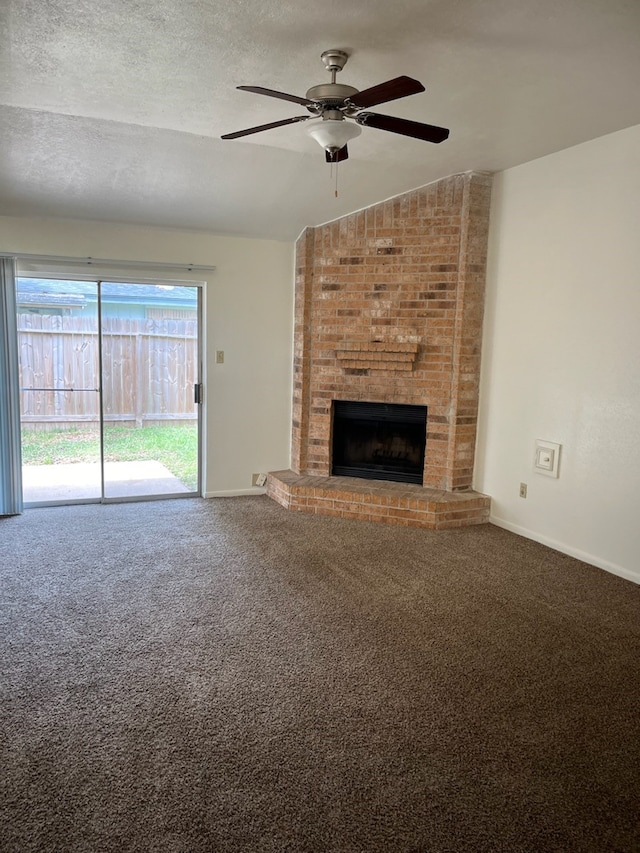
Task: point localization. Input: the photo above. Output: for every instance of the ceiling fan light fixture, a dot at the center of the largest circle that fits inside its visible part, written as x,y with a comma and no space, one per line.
332,134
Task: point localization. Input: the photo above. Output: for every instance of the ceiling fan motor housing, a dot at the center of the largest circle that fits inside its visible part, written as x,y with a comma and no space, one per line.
330,94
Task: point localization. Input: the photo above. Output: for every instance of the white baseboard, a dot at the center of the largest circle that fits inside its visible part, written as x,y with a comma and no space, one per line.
234,493
614,569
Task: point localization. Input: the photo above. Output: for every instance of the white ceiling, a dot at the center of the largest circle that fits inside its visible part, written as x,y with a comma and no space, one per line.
113,109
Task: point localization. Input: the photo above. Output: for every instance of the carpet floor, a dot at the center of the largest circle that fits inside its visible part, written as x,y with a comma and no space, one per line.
224,676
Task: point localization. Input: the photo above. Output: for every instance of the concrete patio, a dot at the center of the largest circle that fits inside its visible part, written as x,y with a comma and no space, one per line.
81,481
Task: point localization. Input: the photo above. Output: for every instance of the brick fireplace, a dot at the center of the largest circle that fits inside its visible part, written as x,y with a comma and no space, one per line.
388,309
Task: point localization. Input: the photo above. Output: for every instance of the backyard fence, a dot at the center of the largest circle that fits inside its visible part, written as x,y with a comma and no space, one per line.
149,367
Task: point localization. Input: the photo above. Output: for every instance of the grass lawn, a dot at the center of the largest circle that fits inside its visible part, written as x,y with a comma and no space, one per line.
176,447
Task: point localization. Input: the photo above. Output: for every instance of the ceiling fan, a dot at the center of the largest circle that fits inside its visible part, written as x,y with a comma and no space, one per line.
330,104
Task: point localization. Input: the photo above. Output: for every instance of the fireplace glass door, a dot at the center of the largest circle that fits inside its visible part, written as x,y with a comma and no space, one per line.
379,441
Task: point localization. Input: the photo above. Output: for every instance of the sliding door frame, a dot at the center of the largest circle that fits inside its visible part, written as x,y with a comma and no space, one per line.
73,274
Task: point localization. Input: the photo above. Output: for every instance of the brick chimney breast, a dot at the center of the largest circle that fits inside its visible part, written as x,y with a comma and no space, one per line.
388,308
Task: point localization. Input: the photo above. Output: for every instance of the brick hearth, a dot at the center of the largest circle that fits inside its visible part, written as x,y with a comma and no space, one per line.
377,500
389,307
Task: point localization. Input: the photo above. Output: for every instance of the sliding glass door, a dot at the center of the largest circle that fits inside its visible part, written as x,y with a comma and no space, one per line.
59,352
108,372
150,371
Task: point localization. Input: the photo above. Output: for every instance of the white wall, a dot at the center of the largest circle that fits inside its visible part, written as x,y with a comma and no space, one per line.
561,351
248,314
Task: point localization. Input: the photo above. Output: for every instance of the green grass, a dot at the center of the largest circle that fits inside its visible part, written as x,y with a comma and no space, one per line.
176,447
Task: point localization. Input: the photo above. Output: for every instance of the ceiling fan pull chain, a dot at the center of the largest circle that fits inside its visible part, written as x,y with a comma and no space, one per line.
333,174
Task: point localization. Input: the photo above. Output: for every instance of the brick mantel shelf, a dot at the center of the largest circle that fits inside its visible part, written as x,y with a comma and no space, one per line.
377,355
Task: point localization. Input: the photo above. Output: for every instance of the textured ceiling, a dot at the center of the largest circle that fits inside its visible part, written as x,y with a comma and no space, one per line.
113,110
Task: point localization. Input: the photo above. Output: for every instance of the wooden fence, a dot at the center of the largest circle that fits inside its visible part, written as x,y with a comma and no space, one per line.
149,368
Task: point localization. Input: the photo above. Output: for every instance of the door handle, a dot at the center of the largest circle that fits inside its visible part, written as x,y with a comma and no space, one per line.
197,393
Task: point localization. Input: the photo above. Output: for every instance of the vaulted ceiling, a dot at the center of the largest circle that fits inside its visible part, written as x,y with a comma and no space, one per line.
113,110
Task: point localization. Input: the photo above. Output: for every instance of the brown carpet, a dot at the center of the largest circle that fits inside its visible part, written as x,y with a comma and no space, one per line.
214,676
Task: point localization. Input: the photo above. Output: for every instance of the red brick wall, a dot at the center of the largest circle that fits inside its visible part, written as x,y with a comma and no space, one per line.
389,306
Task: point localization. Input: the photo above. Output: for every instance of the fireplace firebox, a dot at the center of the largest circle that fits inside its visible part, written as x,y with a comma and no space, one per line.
379,441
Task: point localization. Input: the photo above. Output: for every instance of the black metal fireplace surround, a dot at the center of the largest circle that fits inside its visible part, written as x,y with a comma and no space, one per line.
379,441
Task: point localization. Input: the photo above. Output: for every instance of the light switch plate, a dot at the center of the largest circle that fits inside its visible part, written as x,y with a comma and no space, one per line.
547,458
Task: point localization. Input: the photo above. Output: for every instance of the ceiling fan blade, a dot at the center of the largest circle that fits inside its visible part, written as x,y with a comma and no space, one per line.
271,93
416,129
399,87
261,127
338,156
